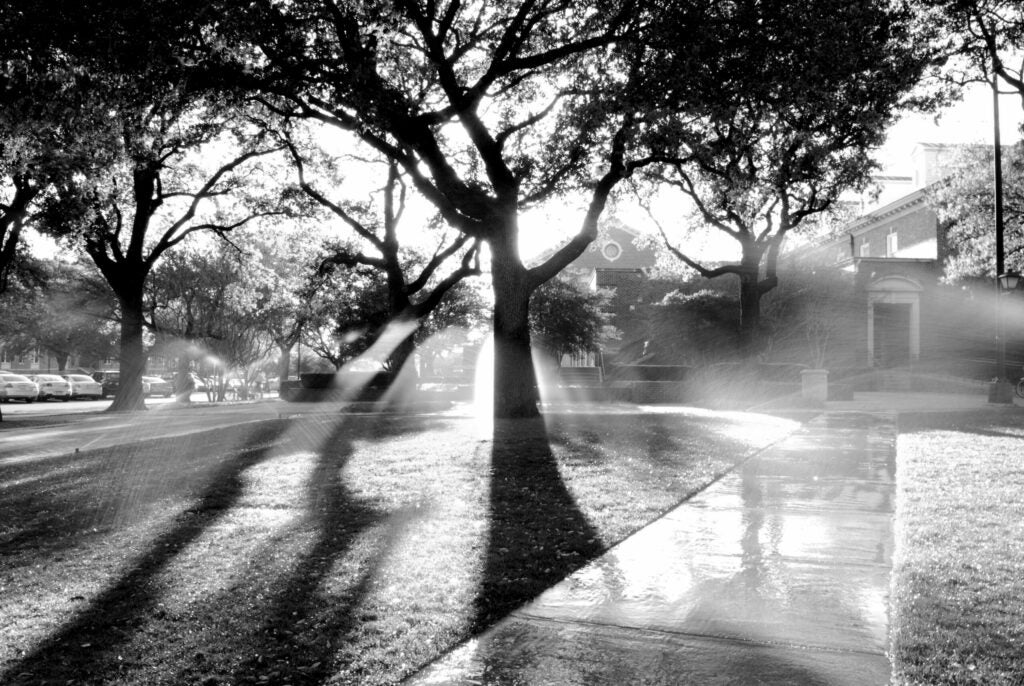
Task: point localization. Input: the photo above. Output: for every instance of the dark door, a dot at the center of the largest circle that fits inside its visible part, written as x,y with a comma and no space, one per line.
892,335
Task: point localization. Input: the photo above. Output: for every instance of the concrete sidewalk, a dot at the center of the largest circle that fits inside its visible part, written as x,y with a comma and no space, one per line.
776,574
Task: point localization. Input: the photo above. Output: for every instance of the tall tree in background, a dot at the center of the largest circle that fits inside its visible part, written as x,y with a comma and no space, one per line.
989,34
281,257
487,107
209,306
51,124
963,201
183,161
568,319
72,314
769,125
161,190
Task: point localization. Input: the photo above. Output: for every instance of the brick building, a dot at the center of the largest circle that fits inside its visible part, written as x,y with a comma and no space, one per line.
901,313
613,261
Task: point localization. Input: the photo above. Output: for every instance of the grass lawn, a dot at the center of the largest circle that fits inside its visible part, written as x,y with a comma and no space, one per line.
349,550
958,583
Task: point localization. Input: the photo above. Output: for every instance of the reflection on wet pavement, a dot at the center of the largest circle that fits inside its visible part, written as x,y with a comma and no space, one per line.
776,574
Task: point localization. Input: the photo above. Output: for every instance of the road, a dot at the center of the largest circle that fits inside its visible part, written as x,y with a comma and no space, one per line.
37,430
22,410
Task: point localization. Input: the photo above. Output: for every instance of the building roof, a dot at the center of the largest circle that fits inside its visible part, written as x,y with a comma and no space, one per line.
613,249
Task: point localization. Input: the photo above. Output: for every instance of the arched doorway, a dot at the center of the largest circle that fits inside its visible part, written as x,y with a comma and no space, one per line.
894,322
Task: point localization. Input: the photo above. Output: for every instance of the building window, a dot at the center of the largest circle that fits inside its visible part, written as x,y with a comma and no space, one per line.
611,251
891,243
865,249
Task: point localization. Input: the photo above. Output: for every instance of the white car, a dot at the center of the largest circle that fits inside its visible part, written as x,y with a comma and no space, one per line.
83,386
52,386
17,387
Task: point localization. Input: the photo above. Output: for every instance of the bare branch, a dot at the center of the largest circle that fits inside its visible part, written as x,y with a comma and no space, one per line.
437,260
470,266
334,207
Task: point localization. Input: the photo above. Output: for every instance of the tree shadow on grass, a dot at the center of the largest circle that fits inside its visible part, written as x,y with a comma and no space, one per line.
299,627
58,503
87,646
305,625
537,533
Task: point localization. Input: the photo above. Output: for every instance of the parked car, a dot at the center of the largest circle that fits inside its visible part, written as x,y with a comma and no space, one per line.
111,383
52,386
83,386
158,386
17,387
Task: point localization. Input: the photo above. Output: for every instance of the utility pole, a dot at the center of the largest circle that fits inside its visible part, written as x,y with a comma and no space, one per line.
1002,390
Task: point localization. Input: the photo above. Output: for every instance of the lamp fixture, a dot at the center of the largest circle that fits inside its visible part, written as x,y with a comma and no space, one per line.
1009,281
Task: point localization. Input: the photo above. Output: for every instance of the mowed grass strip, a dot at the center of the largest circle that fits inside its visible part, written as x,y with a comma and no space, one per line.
350,549
958,584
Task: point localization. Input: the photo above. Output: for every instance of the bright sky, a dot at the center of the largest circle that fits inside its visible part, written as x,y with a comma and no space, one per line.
968,121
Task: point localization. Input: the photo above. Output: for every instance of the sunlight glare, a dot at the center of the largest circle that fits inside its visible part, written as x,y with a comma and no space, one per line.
547,378
483,390
382,348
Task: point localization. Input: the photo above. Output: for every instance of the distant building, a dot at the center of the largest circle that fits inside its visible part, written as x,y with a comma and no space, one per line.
903,315
613,261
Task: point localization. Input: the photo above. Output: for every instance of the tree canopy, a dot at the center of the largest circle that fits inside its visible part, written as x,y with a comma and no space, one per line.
486,107
963,201
775,118
179,159
131,128
52,124
567,319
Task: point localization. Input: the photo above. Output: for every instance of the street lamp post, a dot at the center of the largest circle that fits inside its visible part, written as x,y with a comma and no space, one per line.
1001,391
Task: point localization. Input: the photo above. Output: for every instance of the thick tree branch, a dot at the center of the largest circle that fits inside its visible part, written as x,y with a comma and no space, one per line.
167,239
437,259
618,169
344,258
470,266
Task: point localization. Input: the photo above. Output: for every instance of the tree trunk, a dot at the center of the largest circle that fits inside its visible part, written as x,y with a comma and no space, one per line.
183,385
129,396
284,362
402,353
750,300
750,312
515,384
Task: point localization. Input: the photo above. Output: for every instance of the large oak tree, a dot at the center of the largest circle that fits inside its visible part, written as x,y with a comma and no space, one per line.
177,153
487,107
51,124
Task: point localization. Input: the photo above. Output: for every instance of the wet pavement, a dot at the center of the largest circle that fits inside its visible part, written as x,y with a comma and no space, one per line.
776,574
